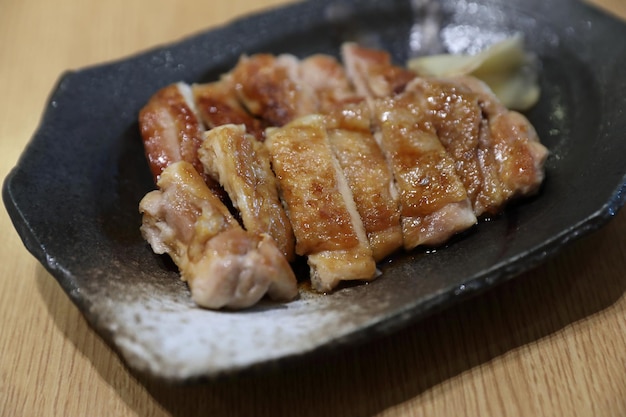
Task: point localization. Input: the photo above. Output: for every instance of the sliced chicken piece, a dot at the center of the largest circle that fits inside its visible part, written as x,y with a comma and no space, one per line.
372,72
224,265
217,104
242,166
433,202
519,154
457,117
329,81
492,197
368,175
319,203
269,87
171,129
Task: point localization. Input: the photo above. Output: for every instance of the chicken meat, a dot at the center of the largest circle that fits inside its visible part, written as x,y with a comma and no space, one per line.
372,72
242,166
269,87
368,174
433,201
171,128
218,104
224,265
515,145
343,163
320,205
457,118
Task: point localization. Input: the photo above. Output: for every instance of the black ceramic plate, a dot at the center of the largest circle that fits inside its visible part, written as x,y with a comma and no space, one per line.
73,195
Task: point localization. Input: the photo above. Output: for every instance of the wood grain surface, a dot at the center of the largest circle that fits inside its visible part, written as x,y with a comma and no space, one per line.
550,343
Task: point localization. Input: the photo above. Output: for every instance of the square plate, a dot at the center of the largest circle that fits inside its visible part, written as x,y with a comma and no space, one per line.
74,193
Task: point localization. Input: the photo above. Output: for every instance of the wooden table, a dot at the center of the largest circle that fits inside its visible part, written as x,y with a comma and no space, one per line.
552,342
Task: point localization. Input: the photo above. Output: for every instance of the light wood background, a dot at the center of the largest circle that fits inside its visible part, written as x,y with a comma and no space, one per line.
551,343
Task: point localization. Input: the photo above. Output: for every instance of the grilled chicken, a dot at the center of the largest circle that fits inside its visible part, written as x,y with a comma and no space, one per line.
269,87
242,166
171,128
457,117
514,142
218,104
433,202
279,89
368,176
319,204
224,265
497,152
358,161
329,82
372,73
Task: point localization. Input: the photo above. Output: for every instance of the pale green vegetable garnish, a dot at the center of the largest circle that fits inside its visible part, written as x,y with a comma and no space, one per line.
504,66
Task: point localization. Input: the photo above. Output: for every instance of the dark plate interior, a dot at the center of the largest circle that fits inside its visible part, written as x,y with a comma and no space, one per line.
73,195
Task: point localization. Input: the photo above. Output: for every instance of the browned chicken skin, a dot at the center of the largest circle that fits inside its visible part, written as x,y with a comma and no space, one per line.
171,129
368,175
365,157
458,120
433,202
329,82
372,73
218,105
319,203
242,166
518,153
269,87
